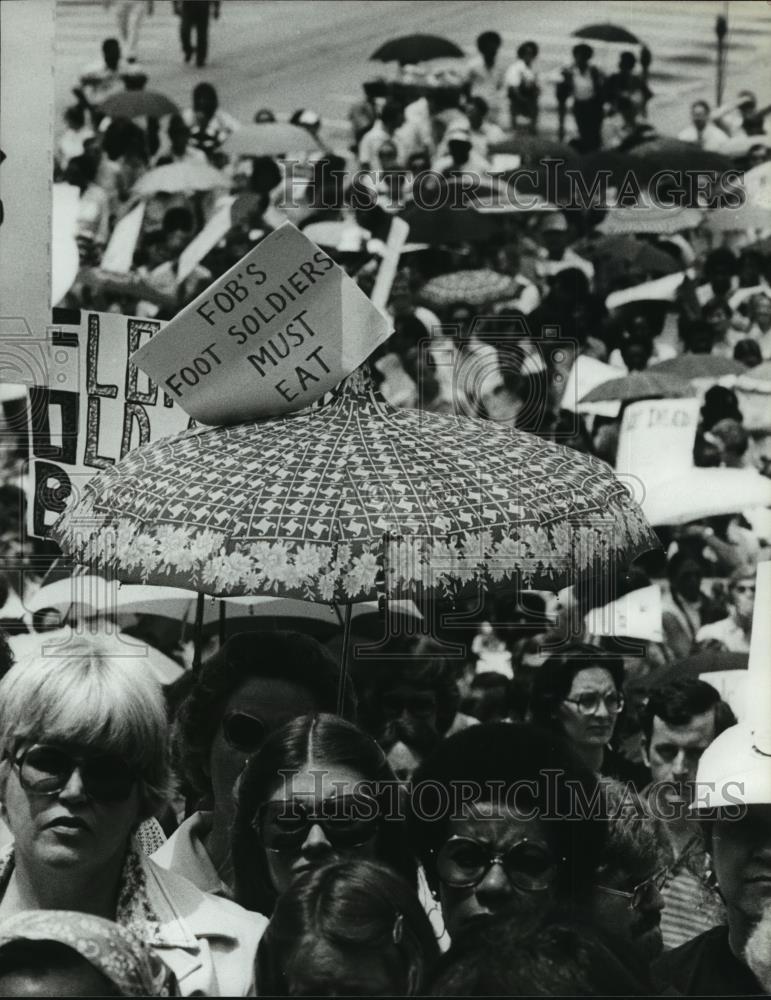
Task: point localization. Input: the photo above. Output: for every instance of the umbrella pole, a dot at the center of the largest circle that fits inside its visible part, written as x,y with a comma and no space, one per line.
344,659
198,634
223,609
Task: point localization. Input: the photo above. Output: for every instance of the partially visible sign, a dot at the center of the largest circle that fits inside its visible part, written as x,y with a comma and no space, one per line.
657,437
397,237
97,407
636,615
282,327
119,252
26,155
586,374
214,230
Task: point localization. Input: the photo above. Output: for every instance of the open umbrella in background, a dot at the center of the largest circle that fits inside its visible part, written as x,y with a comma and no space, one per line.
698,493
648,218
689,366
411,49
179,177
270,139
137,104
535,148
607,32
476,288
640,385
619,256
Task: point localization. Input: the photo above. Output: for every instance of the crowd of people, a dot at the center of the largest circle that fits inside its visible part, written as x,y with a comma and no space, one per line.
510,804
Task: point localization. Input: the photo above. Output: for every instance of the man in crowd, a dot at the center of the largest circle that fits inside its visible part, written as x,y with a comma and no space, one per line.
485,75
681,719
584,82
702,131
733,632
685,608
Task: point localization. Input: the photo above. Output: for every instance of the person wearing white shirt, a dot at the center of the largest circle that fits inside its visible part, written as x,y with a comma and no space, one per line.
484,76
385,132
522,87
701,131
734,631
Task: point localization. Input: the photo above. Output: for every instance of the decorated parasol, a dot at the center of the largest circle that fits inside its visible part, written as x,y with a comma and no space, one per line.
476,288
350,500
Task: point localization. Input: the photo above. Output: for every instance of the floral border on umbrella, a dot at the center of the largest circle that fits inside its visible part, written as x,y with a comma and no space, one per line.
207,561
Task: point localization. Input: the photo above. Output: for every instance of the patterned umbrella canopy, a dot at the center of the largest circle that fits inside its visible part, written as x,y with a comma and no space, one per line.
351,499
474,287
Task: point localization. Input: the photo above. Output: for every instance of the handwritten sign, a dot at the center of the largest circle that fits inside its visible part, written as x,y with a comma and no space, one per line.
657,437
96,408
282,327
26,158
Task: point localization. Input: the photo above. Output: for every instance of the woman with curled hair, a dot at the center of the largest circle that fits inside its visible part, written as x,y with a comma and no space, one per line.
349,928
503,817
318,789
578,693
83,747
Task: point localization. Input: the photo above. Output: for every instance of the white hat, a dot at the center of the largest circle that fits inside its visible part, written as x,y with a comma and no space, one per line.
732,771
554,222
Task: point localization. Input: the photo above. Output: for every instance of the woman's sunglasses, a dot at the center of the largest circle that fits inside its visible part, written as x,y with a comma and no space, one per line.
462,863
245,733
347,821
46,770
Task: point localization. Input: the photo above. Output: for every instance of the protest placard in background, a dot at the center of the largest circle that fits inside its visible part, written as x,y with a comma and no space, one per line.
96,407
657,437
26,154
279,329
634,615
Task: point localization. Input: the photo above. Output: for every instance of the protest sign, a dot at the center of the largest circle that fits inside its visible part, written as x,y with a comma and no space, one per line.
119,252
26,155
659,290
645,425
636,615
96,407
397,237
282,327
214,230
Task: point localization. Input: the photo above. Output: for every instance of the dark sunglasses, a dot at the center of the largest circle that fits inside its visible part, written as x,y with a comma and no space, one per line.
243,732
463,863
644,892
46,770
347,821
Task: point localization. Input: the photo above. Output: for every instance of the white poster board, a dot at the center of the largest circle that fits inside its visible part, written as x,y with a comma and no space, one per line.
278,330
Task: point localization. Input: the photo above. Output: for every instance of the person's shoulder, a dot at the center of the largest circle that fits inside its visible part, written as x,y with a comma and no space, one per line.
676,968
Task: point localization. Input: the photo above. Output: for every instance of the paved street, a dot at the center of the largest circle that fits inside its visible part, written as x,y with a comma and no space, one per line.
285,54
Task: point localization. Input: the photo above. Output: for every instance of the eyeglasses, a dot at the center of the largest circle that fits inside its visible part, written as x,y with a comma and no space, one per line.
643,893
463,862
46,770
589,703
245,733
348,821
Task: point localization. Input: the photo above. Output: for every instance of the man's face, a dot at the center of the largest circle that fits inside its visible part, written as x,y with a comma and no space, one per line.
410,704
674,753
699,115
743,599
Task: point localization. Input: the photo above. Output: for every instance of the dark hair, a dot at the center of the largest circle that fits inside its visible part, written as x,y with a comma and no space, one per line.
747,351
501,759
207,92
391,111
554,679
419,663
80,172
177,218
678,559
582,49
489,39
714,306
362,908
527,46
75,116
177,124
293,657
7,658
627,59
110,45
266,174
480,104
720,259
321,739
562,955
677,701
